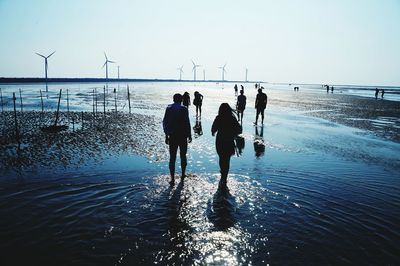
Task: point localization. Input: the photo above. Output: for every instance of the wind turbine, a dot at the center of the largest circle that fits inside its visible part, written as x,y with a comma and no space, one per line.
194,70
247,70
223,71
45,62
180,72
106,64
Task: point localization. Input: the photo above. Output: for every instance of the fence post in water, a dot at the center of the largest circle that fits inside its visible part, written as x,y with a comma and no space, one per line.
1,97
129,99
41,100
115,100
104,100
15,118
58,108
67,102
20,98
93,100
82,119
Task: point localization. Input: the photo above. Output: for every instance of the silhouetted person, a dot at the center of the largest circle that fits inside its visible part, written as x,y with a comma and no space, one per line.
242,88
198,129
236,89
261,104
327,88
198,101
177,131
256,85
383,92
186,99
259,145
332,89
241,105
376,93
228,128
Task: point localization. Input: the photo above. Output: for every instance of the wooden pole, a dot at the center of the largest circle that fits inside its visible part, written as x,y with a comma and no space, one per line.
95,98
115,99
67,101
20,98
15,118
82,119
129,99
41,100
104,99
1,97
58,108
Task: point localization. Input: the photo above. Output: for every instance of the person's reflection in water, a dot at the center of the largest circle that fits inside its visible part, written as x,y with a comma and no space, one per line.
178,226
224,208
198,129
239,145
259,145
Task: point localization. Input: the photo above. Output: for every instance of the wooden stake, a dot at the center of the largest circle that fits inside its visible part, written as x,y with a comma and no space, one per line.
82,118
95,97
58,108
115,99
129,99
20,98
15,118
1,97
104,100
93,101
41,100
67,101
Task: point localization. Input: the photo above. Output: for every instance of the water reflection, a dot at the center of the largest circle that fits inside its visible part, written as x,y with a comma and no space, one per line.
198,129
223,208
239,145
259,145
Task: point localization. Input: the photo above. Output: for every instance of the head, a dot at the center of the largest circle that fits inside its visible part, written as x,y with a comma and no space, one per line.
186,93
196,92
177,98
259,91
241,92
224,110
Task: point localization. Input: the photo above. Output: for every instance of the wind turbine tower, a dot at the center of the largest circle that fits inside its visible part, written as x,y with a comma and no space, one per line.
204,74
45,62
194,70
118,72
247,70
180,72
106,64
223,71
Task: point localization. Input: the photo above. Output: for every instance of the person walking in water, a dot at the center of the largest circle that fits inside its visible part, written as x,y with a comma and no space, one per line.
177,131
228,128
236,89
241,105
261,104
186,99
376,93
383,92
198,101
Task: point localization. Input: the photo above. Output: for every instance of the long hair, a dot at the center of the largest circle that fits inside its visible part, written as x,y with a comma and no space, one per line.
225,111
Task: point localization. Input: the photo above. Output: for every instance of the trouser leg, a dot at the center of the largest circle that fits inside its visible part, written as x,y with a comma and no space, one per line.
173,148
182,153
224,162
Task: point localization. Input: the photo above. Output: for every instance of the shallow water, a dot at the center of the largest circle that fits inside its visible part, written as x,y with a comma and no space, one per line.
319,193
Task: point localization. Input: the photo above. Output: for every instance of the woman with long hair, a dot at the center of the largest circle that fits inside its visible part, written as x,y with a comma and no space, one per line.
227,126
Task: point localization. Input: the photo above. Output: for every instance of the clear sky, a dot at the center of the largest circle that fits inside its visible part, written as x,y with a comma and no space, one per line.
321,41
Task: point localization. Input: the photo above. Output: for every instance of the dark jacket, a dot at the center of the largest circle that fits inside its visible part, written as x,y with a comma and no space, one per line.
176,121
228,128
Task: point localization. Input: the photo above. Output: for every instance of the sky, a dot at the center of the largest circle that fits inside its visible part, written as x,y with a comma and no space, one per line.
294,41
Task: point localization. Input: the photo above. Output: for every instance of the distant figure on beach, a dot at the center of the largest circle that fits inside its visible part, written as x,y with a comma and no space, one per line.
327,88
256,86
383,92
228,128
261,104
177,131
241,105
236,89
376,93
332,89
242,88
198,101
186,99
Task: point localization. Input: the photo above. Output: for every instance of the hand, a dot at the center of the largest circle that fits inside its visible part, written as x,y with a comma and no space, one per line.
213,134
166,139
190,139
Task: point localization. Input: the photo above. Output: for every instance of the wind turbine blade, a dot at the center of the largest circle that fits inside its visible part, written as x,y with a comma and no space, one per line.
225,65
51,54
110,61
193,63
104,64
41,55
105,55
